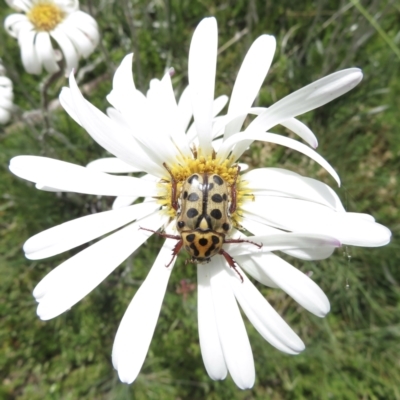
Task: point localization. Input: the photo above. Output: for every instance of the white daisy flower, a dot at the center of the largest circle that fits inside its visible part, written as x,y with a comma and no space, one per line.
6,99
201,188
75,32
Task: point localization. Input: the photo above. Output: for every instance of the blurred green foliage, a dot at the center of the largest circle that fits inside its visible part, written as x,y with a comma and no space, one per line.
354,352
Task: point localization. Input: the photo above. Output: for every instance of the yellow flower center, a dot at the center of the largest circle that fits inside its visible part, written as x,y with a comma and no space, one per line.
186,167
45,16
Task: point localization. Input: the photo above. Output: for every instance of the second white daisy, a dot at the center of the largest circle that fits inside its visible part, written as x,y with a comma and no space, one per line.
75,32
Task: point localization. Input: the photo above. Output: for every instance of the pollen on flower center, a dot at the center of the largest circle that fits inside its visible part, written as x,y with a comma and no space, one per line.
45,16
186,167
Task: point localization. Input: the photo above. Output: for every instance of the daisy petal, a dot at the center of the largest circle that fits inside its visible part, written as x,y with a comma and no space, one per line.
219,104
15,22
210,344
263,180
250,77
294,125
124,96
74,178
82,230
111,165
247,263
306,99
101,128
71,56
249,135
202,67
296,284
303,216
45,52
265,319
71,281
232,332
185,110
319,252
123,201
137,326
30,59
282,241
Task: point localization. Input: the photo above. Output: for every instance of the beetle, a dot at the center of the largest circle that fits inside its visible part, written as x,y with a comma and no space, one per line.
204,209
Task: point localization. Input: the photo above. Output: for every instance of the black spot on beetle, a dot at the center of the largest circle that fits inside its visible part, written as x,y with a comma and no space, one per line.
210,186
203,242
215,239
193,177
225,197
192,212
225,226
217,198
181,224
218,180
185,194
190,237
193,197
217,214
194,248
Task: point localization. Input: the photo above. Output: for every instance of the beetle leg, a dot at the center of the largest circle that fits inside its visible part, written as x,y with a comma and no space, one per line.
231,262
242,241
174,189
232,207
164,235
177,247
175,251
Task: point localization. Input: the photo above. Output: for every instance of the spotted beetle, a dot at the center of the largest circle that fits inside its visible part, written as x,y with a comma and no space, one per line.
204,208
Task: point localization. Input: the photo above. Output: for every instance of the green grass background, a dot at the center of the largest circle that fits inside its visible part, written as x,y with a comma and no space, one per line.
354,353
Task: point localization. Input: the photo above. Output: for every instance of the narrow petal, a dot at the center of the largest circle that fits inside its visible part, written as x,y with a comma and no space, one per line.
71,281
306,99
319,252
162,99
15,22
249,135
123,201
303,216
71,56
74,178
219,104
45,52
202,67
81,42
294,125
137,326
265,319
210,345
251,76
111,165
263,180
252,267
232,332
82,230
30,59
20,5
281,241
185,109
124,96
102,129
296,284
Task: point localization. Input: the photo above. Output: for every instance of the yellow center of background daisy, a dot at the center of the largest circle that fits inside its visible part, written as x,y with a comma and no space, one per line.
45,16
181,171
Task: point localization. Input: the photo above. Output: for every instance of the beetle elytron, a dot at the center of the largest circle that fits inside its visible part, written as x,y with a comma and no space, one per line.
204,208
